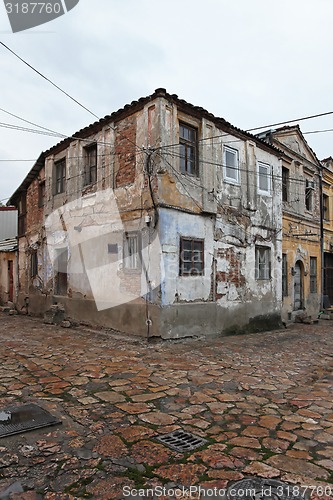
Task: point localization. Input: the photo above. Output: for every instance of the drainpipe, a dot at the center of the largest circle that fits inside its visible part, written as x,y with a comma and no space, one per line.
321,238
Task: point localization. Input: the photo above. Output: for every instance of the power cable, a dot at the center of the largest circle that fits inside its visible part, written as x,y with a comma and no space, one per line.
48,80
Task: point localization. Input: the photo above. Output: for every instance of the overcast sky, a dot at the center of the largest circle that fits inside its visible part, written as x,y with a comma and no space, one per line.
253,62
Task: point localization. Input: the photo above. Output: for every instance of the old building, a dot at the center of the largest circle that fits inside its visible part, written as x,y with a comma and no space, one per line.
29,200
8,255
327,215
160,219
301,233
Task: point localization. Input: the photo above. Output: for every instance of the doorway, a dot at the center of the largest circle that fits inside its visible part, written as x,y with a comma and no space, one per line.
10,281
298,286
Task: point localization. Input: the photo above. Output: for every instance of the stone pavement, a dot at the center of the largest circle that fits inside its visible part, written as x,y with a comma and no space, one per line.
263,401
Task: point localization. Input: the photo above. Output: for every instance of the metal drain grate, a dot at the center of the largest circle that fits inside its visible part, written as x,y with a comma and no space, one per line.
181,441
270,489
25,418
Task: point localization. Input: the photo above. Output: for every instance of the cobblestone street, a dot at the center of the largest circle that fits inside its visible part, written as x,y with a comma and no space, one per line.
263,401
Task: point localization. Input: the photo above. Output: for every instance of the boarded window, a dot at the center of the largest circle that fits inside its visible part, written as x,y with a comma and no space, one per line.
132,260
191,262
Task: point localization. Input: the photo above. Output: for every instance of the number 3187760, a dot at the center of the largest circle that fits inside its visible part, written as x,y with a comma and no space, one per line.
33,8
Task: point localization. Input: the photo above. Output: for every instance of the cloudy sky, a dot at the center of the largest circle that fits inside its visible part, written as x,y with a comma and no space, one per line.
253,62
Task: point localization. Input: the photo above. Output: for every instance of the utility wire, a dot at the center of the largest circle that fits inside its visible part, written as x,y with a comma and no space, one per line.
32,123
291,121
48,80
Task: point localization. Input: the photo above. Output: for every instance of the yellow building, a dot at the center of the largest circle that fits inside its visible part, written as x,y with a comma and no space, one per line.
301,223
327,174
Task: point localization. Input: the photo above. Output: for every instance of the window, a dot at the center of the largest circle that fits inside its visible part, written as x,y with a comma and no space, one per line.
285,184
22,214
313,274
264,178
326,207
91,164
284,275
309,187
60,176
132,259
188,149
191,262
34,264
230,164
263,263
41,194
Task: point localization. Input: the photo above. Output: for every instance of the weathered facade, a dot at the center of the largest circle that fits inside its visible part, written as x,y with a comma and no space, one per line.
301,232
327,218
160,220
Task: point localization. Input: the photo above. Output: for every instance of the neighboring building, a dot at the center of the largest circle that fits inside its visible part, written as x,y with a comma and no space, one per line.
301,234
8,254
8,271
8,223
327,213
159,220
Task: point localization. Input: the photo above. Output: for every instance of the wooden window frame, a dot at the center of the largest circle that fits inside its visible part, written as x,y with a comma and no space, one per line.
235,168
188,147
90,166
59,176
285,184
193,271
268,175
262,273
313,274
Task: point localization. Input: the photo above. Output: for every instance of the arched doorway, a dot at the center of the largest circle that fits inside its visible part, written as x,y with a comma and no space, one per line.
298,286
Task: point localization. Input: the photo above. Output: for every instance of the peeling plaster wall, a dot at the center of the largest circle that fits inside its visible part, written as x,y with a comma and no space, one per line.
5,257
174,225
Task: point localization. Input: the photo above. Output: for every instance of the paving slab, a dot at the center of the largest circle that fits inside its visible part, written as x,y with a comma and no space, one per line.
263,403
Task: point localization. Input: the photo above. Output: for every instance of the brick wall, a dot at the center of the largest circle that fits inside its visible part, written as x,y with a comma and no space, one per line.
34,211
125,151
232,273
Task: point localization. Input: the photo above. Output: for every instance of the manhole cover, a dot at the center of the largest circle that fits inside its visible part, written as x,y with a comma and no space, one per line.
181,441
25,418
268,489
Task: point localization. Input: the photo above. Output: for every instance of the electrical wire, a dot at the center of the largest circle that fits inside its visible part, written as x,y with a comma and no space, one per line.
48,80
